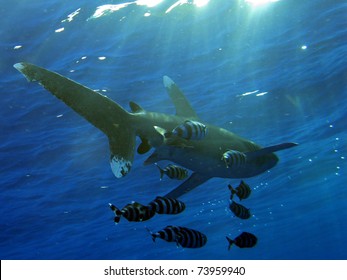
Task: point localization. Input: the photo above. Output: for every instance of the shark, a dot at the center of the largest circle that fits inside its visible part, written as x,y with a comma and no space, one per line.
203,157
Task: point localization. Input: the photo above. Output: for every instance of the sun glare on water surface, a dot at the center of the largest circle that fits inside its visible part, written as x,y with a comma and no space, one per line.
260,2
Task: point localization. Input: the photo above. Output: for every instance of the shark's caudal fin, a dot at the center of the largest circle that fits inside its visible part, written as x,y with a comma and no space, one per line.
99,110
271,149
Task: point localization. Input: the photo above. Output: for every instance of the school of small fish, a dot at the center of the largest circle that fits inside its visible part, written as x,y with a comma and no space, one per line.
186,237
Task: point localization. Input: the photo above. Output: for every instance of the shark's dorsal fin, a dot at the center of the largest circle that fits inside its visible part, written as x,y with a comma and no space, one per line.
181,103
191,183
135,108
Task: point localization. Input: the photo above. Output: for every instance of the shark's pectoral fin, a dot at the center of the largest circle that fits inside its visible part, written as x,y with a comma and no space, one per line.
96,108
122,147
191,183
270,149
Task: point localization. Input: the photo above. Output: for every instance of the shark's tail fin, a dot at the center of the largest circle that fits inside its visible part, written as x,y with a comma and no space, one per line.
99,110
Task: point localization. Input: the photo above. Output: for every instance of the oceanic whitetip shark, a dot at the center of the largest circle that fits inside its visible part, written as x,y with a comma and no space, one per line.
203,157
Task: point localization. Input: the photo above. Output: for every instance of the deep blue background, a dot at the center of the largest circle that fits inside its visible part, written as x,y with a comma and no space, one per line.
56,181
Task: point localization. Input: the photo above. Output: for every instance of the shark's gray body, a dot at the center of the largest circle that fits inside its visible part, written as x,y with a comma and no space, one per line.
203,157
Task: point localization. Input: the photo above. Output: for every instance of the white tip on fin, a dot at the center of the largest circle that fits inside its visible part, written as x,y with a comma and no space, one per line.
19,66
120,166
168,83
160,130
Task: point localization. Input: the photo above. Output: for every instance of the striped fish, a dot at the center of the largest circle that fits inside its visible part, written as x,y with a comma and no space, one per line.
184,237
169,234
190,130
234,158
244,240
190,238
240,211
243,191
166,205
173,172
133,212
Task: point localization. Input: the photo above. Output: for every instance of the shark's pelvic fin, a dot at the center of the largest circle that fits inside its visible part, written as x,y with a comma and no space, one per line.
191,183
270,149
99,110
144,147
181,103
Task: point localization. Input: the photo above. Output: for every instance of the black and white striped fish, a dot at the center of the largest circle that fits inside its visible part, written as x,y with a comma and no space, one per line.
191,238
184,237
133,212
190,130
240,211
243,191
234,158
166,205
173,172
169,234
244,240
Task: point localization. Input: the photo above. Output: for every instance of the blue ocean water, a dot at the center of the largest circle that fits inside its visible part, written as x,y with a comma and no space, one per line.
271,73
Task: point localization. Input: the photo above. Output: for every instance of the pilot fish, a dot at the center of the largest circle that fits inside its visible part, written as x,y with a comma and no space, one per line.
166,205
173,172
234,158
184,237
244,240
240,211
190,130
191,238
168,234
243,191
133,212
